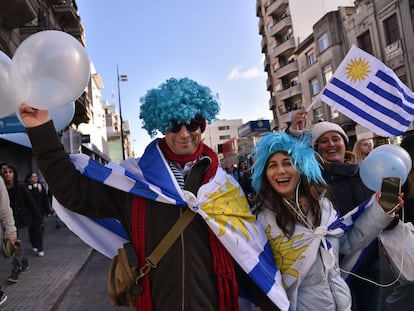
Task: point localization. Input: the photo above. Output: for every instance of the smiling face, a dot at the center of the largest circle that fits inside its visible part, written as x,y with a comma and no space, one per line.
183,142
366,147
331,146
281,175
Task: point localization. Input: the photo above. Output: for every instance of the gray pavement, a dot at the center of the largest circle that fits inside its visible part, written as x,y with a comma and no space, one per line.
43,285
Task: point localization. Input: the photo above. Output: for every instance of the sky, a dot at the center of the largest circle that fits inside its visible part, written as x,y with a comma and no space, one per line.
215,43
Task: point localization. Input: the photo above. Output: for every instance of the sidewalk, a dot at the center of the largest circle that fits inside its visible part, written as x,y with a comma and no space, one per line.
40,287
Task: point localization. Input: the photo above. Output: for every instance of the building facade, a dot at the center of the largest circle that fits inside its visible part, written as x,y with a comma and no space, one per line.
298,68
87,131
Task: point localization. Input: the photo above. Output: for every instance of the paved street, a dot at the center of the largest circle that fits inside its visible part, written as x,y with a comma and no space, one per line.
70,277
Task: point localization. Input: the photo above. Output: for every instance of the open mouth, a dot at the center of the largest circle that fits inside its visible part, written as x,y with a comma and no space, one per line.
283,181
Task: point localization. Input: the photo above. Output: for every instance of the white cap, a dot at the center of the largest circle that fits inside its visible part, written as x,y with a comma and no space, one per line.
323,127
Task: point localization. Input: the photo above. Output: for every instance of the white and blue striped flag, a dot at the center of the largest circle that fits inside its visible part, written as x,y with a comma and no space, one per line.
368,92
221,203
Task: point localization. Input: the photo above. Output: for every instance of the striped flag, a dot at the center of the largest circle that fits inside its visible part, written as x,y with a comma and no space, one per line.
371,94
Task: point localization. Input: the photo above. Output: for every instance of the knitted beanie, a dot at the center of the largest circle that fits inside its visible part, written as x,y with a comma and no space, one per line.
323,127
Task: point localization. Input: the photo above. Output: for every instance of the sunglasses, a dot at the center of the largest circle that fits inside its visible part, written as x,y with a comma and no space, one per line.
192,127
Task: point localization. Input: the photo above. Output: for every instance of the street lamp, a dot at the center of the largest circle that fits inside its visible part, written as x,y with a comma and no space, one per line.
122,78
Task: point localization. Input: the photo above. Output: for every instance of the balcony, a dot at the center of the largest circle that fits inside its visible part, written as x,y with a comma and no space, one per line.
274,125
272,103
269,83
284,118
27,31
281,25
290,92
264,44
266,64
65,11
259,4
288,71
81,110
277,7
287,47
261,26
16,13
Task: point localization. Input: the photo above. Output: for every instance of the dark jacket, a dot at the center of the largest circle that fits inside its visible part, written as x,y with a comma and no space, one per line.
39,195
408,206
25,210
346,192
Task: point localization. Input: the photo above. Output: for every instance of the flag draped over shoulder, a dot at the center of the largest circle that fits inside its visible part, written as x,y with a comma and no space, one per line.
297,254
368,92
220,202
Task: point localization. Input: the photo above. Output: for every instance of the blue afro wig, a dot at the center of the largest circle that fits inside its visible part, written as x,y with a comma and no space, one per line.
302,156
176,100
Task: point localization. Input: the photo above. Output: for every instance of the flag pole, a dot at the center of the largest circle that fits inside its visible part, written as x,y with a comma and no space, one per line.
316,99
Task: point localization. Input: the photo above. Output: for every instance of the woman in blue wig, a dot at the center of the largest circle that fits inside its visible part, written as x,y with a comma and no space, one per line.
304,230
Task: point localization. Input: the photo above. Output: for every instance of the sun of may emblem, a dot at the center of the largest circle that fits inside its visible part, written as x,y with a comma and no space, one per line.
357,69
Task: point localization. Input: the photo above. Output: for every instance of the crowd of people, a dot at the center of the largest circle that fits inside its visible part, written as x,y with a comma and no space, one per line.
309,203
23,206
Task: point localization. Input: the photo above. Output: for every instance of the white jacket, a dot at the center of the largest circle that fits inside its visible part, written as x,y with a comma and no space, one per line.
310,271
6,213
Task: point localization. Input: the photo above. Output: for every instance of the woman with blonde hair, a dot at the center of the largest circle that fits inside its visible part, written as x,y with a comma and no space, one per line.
362,148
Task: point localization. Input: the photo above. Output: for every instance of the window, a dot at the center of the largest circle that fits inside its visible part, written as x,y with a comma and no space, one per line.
323,42
314,86
223,128
334,113
311,58
318,115
272,47
327,73
224,137
392,32
269,27
364,42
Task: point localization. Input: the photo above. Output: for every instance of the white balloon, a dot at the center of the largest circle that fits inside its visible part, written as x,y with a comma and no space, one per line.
396,150
61,116
8,97
50,69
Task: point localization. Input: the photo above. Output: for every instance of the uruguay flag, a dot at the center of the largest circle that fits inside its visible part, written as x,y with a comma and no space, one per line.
221,202
371,94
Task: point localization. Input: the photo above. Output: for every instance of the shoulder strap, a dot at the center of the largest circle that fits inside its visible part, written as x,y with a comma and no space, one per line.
152,260
170,238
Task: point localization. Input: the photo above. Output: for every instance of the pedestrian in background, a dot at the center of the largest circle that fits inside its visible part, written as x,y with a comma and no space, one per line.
40,196
197,272
299,218
9,231
362,148
25,212
244,178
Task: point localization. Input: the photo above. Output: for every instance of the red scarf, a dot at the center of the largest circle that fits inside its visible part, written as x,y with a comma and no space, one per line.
227,288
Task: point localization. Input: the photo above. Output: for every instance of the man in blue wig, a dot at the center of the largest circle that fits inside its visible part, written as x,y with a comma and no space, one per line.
222,244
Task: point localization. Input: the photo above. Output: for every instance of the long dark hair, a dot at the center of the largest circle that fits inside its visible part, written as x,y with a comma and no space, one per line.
15,174
285,217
